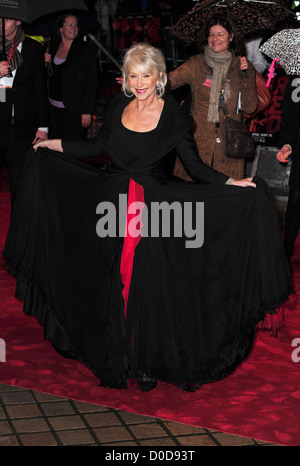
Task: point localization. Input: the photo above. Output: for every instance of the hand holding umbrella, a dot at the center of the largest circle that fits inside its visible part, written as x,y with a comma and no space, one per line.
4,68
244,63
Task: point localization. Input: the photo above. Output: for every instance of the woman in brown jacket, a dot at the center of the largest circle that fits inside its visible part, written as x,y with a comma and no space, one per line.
221,65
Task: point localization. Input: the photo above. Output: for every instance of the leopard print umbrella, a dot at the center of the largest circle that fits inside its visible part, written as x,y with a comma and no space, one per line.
285,45
249,16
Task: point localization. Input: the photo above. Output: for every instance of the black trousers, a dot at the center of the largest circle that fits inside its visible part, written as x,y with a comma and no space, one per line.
65,124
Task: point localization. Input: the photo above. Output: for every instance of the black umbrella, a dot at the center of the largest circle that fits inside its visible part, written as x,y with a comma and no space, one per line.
249,16
44,26
29,10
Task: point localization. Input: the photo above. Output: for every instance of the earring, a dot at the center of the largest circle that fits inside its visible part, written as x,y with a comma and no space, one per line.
127,95
159,90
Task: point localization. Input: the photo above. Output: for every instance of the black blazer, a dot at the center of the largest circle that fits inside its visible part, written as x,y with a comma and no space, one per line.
79,77
28,95
173,132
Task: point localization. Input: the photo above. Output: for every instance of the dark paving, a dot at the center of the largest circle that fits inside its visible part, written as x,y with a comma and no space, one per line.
31,418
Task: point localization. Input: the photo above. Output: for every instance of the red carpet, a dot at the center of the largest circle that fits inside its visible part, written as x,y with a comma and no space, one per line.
260,400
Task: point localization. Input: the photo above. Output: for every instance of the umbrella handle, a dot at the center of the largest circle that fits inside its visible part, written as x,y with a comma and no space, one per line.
271,72
3,54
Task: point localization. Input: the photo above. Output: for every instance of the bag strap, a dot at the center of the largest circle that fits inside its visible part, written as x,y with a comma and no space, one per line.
222,102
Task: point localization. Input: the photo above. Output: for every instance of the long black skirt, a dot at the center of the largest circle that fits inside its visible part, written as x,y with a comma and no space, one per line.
191,312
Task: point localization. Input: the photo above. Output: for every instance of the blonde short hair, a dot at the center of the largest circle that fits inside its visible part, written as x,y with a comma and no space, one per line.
148,59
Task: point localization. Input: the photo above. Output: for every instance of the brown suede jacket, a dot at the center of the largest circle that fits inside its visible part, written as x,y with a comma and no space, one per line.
210,137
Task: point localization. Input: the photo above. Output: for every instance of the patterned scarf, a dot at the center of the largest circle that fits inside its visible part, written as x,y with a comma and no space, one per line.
220,64
16,59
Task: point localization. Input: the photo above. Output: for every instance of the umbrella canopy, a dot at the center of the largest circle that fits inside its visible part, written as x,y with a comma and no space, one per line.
285,45
250,16
29,10
44,26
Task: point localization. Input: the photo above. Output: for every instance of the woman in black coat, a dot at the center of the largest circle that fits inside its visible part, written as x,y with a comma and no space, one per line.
72,81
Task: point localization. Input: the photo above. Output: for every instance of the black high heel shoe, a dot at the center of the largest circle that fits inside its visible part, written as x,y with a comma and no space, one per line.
146,383
189,386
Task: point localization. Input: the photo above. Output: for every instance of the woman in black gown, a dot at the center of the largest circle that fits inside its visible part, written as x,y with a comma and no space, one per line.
179,306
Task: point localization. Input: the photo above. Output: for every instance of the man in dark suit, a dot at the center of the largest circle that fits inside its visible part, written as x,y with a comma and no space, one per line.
23,100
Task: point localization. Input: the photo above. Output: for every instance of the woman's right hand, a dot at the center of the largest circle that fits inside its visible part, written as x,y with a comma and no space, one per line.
4,68
53,144
243,63
47,57
244,183
284,152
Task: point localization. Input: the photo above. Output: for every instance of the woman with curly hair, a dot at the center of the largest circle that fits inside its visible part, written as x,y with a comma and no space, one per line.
221,65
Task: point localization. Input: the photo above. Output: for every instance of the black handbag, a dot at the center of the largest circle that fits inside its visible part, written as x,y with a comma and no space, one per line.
239,142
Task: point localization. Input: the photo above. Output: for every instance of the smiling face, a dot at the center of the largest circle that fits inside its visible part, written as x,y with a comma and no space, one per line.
70,28
219,39
141,83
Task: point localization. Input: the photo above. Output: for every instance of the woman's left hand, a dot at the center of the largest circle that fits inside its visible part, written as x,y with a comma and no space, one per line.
244,183
243,63
86,120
